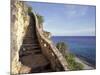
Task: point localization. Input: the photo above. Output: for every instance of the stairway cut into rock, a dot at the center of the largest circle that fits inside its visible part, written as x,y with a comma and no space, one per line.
30,53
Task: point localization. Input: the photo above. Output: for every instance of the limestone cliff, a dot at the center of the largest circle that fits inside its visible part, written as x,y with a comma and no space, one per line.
23,26
19,23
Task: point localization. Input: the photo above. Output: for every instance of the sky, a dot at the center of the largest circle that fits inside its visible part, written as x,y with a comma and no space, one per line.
66,19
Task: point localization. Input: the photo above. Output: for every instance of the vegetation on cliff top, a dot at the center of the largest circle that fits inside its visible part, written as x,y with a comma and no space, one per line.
70,58
39,17
62,47
72,64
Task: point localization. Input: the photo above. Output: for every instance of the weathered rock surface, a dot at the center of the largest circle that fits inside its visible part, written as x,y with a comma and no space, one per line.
19,24
31,50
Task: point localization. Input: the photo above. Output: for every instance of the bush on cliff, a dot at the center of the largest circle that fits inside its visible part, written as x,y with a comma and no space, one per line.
62,47
72,64
29,9
70,58
39,17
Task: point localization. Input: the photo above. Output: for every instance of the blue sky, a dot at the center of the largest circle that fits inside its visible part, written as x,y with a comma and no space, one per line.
66,19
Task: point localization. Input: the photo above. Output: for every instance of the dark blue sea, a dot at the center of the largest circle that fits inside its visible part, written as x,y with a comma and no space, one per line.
82,46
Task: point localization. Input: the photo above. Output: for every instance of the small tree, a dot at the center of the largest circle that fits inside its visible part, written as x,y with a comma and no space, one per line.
30,9
40,19
62,47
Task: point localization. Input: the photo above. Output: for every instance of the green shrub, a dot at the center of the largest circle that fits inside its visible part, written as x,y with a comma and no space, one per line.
72,64
62,47
29,9
40,19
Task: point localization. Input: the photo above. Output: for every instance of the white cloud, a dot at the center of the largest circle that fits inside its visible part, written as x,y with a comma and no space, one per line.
77,32
88,31
75,11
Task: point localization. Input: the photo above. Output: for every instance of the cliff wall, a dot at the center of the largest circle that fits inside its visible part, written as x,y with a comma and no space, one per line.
19,24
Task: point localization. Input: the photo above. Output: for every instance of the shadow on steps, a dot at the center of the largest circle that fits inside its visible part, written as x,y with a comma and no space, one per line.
30,53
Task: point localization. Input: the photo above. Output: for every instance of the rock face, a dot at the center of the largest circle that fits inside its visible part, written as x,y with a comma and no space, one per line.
31,51
19,24
25,50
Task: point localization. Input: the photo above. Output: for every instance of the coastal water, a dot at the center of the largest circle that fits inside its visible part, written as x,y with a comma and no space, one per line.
82,46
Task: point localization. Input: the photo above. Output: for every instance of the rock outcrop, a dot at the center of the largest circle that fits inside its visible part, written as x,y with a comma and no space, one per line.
19,24
32,51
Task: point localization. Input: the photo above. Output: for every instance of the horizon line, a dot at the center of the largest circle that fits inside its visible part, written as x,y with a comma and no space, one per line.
73,35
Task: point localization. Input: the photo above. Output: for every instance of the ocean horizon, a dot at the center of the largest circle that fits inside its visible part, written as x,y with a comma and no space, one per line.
83,47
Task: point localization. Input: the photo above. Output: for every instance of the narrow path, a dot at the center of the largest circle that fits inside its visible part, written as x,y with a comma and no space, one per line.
30,53
86,67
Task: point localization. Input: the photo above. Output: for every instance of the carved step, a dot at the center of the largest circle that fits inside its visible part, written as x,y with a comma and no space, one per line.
29,41
30,34
41,69
30,29
28,52
36,44
30,37
37,51
31,47
22,54
34,61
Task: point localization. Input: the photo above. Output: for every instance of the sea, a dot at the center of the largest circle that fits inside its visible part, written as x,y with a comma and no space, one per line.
83,47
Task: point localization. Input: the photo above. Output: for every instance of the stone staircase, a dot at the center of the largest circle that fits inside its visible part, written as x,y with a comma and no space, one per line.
30,53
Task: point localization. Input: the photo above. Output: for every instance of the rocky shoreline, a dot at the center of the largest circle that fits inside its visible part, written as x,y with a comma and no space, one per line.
87,66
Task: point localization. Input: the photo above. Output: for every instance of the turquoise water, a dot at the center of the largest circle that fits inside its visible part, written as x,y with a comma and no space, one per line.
82,46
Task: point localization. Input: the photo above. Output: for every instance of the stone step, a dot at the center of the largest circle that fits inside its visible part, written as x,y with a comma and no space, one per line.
34,47
29,41
31,44
30,38
30,33
30,29
28,52
40,69
30,47
36,51
34,61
